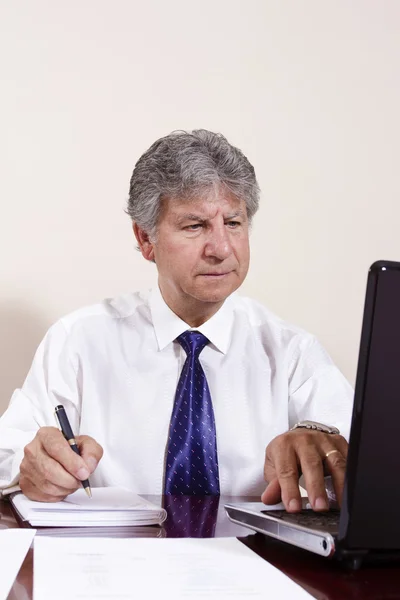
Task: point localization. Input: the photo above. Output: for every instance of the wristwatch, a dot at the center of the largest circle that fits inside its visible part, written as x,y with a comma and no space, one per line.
316,426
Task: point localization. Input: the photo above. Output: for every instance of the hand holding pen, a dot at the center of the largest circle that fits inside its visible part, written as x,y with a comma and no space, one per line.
66,430
49,471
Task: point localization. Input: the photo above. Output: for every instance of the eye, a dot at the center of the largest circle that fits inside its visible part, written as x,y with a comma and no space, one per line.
233,224
194,227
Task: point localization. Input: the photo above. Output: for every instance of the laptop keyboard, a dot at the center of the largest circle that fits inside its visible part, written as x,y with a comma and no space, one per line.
328,521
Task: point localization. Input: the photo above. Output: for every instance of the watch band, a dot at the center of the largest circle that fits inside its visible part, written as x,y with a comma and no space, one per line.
315,426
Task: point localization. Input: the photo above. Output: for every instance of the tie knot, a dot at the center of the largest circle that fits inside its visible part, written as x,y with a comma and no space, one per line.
193,342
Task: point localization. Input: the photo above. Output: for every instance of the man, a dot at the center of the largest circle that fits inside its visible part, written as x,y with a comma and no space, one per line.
190,388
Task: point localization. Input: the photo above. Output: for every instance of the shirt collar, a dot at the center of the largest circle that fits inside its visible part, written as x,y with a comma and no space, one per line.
168,326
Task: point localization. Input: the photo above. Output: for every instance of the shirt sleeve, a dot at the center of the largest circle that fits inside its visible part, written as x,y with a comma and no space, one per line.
51,380
317,389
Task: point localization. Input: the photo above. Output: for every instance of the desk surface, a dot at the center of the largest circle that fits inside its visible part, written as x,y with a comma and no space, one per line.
204,517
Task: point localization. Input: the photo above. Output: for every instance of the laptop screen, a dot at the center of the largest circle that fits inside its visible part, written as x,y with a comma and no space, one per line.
370,516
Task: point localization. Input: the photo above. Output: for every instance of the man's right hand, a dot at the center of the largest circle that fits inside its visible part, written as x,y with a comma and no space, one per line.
50,469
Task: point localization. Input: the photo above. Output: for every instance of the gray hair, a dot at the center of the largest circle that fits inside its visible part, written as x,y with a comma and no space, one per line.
184,165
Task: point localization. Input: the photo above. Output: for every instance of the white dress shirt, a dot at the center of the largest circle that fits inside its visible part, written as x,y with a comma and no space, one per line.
115,367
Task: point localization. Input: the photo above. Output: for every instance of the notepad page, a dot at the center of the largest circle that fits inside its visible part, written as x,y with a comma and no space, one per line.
104,498
107,498
108,506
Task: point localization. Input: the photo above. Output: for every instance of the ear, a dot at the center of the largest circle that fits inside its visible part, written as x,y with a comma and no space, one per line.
145,244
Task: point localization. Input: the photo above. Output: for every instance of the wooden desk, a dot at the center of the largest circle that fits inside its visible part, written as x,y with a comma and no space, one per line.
322,578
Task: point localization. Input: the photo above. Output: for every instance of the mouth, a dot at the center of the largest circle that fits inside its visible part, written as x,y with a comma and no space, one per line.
215,275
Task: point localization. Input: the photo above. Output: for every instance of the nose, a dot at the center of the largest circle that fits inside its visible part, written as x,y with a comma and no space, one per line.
218,244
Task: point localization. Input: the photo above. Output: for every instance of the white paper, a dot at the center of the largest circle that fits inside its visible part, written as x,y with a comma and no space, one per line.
109,506
116,569
14,545
107,498
103,498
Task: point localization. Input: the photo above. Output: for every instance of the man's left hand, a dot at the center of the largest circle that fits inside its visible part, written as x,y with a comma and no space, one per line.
302,451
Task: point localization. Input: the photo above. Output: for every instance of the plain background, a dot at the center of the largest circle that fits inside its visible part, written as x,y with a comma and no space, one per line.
309,90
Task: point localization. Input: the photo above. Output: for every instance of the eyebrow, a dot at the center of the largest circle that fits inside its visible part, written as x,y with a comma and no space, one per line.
194,217
190,217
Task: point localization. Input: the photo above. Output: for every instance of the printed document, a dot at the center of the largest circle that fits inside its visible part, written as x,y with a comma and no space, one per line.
116,569
14,545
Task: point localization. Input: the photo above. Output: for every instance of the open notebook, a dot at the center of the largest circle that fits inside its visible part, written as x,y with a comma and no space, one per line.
108,507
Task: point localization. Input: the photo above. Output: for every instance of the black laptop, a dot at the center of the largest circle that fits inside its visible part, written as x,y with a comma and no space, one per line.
368,524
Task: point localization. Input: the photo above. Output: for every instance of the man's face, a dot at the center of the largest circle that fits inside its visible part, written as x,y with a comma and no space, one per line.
201,252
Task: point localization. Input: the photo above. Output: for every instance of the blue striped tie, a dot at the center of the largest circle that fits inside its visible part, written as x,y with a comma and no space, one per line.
192,462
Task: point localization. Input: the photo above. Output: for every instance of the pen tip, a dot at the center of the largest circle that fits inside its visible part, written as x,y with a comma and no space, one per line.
88,491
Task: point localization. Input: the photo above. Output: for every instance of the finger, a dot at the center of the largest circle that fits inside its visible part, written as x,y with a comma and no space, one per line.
339,464
57,447
90,451
313,471
272,493
332,442
269,467
50,494
335,464
284,458
342,445
42,469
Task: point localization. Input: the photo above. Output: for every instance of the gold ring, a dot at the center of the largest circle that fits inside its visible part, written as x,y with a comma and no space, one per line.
329,453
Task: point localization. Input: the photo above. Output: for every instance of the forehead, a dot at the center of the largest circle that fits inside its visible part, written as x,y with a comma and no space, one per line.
207,205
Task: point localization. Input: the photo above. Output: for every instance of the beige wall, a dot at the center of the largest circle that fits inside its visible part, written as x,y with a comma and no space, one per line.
309,90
